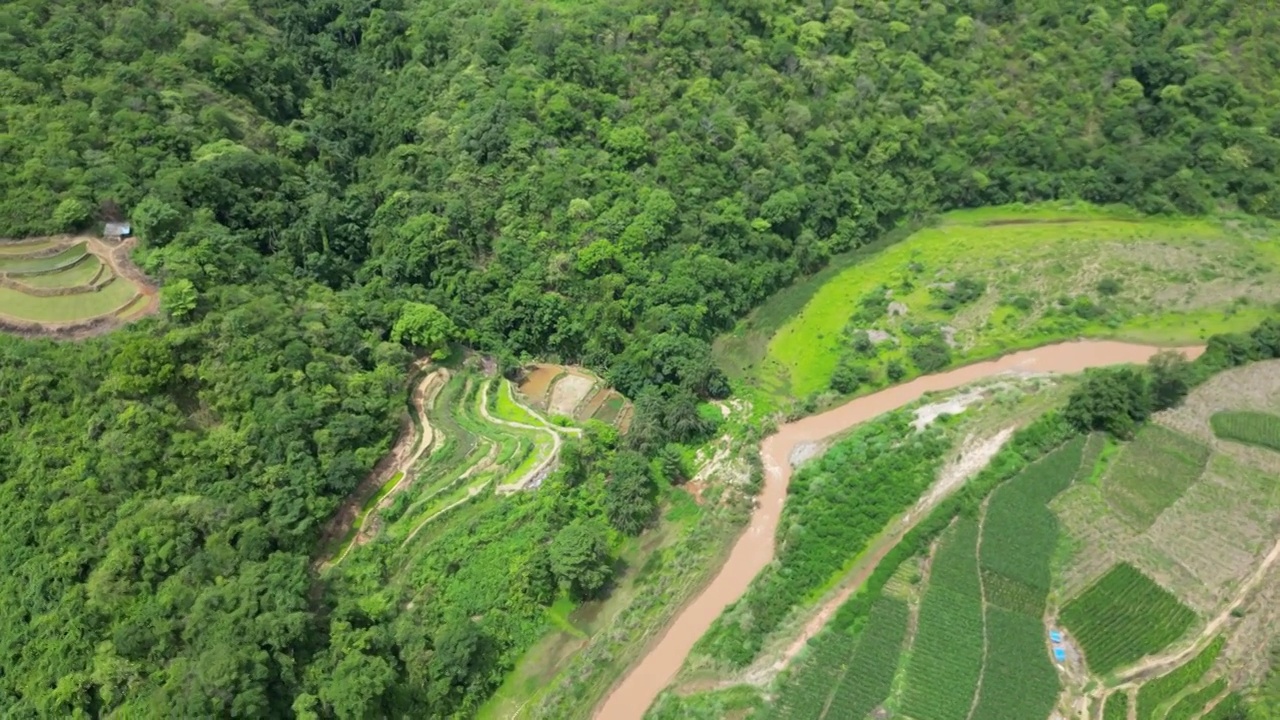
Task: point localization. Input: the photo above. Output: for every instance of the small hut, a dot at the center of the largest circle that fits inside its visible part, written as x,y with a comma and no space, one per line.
117,231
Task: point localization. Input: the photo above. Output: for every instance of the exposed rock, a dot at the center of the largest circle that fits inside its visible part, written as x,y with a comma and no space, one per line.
948,335
897,309
803,452
879,336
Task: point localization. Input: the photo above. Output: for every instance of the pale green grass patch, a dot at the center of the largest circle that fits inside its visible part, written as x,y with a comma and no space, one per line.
18,265
66,308
1051,272
81,273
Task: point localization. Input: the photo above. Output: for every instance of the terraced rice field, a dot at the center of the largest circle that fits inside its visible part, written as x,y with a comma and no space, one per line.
26,247
473,439
84,272
574,393
70,287
65,308
13,264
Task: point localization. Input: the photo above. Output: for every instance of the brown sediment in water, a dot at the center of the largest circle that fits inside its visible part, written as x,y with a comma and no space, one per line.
537,383
754,548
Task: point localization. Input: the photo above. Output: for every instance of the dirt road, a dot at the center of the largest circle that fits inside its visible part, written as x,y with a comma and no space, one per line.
755,547
542,469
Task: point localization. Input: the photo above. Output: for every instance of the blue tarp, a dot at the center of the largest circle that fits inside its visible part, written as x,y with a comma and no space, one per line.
1059,654
1055,636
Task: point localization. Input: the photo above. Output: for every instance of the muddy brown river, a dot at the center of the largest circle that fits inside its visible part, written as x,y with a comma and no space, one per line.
631,698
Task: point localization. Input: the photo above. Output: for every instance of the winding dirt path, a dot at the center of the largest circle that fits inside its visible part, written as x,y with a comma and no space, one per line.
754,549
430,439
408,448
539,471
982,593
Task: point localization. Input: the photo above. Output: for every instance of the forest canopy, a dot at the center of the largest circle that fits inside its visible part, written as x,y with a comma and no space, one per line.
610,183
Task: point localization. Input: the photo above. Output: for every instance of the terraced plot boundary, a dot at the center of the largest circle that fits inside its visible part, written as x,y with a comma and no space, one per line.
71,287
466,433
562,391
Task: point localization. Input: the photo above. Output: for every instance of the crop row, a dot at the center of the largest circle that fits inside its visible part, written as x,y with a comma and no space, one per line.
1019,534
868,678
1123,617
1018,681
1019,531
1191,705
1117,707
810,684
1152,472
844,676
1161,690
1232,707
955,566
946,658
1252,428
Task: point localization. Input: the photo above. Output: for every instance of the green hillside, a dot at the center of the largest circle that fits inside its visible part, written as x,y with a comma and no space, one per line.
605,184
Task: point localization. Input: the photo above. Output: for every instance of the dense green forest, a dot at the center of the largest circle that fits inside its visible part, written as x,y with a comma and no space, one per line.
605,183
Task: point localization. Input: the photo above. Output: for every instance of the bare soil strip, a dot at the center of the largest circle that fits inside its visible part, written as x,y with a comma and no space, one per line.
430,439
636,691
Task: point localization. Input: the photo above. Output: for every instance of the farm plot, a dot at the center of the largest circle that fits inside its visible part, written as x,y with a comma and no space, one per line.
1152,472
946,658
70,287
810,684
868,677
846,677
1019,534
569,390
1205,543
1019,531
1124,617
13,265
1230,707
1251,428
79,274
65,308
1192,704
1018,680
28,247
1117,707
573,393
1155,694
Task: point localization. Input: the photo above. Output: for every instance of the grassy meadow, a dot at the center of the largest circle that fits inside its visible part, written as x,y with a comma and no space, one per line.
982,282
